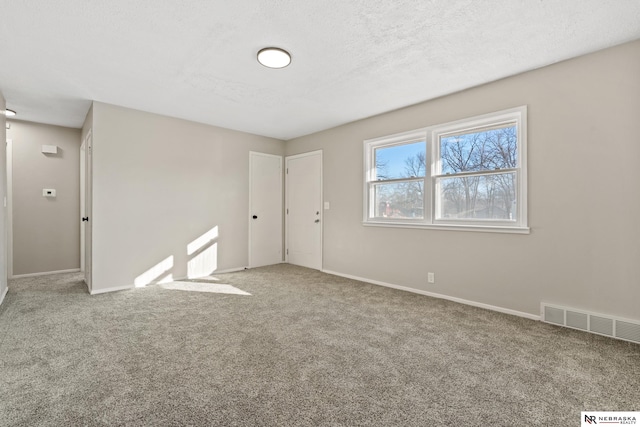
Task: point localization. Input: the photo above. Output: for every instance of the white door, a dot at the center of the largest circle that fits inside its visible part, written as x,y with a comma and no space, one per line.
9,207
83,182
265,209
304,209
86,218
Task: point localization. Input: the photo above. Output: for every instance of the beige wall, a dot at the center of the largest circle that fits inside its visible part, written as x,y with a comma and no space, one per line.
46,234
3,211
159,184
584,195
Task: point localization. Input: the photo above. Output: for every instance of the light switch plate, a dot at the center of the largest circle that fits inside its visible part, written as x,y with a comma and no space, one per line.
50,149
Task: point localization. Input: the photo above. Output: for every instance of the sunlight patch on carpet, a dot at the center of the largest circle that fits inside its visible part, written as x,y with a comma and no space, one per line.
217,288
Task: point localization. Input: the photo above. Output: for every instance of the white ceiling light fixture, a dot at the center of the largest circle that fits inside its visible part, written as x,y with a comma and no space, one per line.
9,113
274,57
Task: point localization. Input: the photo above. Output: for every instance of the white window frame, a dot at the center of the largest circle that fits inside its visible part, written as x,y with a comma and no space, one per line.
370,174
431,135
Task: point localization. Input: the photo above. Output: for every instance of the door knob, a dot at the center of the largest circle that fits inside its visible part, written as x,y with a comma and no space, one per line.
85,218
255,217
316,221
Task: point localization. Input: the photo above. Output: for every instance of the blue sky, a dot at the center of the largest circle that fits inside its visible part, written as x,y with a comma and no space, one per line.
394,158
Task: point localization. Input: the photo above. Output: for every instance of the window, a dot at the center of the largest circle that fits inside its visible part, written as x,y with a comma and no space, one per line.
468,174
396,185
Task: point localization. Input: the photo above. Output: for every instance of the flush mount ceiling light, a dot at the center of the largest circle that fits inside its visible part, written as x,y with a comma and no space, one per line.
9,113
274,57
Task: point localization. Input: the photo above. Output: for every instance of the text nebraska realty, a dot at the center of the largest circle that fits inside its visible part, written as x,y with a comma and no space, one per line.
610,420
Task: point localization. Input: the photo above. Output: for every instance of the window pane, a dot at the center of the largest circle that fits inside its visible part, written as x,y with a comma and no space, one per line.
401,200
480,150
491,197
401,161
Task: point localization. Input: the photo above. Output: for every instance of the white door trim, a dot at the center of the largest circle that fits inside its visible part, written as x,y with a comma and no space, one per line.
9,208
250,219
286,192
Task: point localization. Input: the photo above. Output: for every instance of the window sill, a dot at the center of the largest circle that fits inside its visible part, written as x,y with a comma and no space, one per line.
452,227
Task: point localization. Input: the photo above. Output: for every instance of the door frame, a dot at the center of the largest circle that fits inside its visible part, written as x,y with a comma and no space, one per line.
286,205
9,152
250,213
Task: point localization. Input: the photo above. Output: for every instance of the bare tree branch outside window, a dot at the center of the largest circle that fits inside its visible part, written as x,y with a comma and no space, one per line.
484,196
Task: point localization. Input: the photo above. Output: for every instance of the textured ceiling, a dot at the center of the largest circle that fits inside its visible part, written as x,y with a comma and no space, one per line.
351,59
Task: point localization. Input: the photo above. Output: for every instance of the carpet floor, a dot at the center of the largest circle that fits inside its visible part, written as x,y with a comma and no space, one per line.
303,349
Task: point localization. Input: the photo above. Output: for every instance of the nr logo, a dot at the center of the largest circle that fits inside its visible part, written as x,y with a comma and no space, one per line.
591,419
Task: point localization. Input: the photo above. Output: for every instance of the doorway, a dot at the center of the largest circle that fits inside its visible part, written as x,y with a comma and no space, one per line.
304,209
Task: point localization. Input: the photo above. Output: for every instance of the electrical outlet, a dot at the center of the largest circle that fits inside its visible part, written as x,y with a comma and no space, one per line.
431,278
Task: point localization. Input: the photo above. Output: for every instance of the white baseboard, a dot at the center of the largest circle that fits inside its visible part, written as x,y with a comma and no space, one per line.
4,294
114,289
44,273
229,270
248,267
435,295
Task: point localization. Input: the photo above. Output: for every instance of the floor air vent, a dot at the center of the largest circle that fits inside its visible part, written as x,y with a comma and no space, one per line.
600,324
